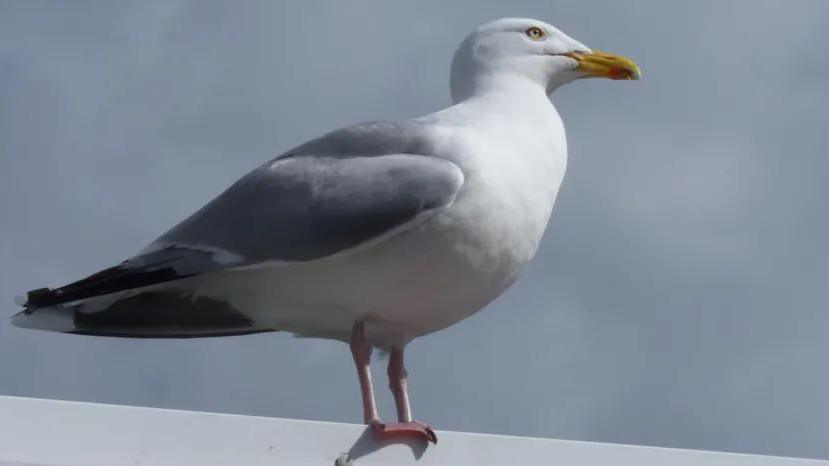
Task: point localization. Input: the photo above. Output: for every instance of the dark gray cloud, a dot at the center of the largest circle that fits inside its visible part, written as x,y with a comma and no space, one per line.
679,298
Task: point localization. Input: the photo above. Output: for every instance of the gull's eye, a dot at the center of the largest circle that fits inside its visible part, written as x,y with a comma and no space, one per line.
536,33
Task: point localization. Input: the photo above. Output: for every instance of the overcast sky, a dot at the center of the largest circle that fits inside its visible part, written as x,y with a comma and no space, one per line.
679,297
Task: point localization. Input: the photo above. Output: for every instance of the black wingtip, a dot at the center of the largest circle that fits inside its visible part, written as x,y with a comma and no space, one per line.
40,297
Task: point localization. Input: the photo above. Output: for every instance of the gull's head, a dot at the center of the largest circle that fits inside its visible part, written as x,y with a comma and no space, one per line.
529,50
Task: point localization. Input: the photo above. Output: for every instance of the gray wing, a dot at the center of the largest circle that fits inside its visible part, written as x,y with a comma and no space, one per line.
301,208
295,208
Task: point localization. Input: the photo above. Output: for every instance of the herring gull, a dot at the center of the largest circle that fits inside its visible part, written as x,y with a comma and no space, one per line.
374,234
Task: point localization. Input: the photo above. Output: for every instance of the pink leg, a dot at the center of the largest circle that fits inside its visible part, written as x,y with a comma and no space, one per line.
399,385
361,351
405,427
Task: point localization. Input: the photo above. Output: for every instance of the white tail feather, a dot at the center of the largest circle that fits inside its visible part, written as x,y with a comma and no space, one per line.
48,318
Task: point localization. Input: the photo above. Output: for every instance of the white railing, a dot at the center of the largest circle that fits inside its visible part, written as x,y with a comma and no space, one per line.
61,433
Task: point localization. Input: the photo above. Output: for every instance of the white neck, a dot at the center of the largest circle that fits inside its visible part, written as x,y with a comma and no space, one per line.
486,84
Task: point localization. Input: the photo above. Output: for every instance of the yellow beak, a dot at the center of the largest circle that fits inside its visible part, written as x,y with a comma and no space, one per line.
605,65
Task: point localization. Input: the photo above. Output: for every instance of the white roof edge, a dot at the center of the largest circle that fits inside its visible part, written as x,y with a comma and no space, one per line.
63,433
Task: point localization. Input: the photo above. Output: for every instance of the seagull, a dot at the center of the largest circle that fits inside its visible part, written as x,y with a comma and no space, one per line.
374,234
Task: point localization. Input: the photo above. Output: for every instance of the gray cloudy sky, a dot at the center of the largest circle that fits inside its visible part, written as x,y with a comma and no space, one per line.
679,297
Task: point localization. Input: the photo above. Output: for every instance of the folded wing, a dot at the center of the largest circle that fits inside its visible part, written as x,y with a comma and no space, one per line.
295,208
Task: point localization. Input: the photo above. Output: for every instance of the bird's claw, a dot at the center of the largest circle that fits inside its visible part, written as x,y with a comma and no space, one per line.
412,429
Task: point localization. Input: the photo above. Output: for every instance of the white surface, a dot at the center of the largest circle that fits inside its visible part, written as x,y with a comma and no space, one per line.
49,432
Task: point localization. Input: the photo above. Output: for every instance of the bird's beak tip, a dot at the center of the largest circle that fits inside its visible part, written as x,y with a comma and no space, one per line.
606,65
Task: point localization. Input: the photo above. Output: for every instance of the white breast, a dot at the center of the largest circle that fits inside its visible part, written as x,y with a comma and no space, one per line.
514,161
